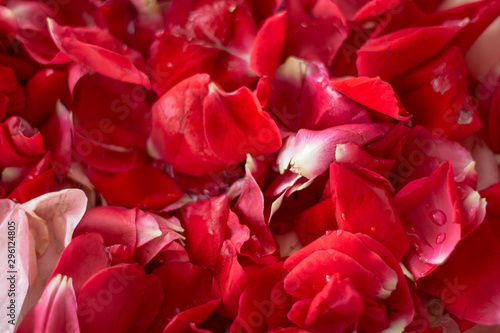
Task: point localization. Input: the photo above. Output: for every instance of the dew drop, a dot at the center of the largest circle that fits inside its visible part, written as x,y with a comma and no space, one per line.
438,217
328,232
328,277
170,65
303,25
422,258
440,238
373,229
339,232
342,216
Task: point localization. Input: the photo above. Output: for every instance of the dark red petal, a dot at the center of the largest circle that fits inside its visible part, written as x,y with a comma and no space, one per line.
42,93
40,180
119,299
116,225
315,30
99,51
85,256
268,45
373,93
20,145
348,248
335,308
390,55
377,218
436,95
204,222
56,131
241,128
232,280
314,222
475,17
174,58
145,187
257,303
371,276
399,307
183,303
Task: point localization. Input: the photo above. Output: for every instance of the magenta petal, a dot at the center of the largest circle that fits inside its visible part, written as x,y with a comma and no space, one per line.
315,150
354,154
55,312
430,211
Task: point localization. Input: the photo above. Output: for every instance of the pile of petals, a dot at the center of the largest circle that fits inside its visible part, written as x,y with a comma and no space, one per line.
249,166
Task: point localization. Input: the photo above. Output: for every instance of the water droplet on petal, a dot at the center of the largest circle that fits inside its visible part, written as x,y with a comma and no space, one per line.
438,217
342,216
422,258
170,65
303,25
328,277
339,232
373,229
440,238
328,232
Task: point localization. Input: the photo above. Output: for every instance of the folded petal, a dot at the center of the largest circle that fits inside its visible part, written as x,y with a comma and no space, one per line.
204,223
314,151
56,311
378,218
